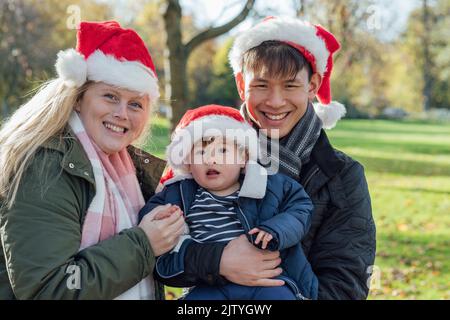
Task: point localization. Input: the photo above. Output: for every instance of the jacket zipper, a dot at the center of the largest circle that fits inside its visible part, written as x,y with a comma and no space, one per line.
245,219
182,198
298,295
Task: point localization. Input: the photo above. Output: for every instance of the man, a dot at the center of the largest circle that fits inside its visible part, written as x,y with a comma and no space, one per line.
280,66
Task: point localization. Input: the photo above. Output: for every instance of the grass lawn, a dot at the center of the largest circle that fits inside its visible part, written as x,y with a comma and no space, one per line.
408,170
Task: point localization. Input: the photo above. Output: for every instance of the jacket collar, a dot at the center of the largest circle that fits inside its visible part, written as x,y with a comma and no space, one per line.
324,155
324,165
149,168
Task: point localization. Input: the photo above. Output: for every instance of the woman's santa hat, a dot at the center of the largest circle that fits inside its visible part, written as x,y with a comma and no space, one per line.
215,121
108,53
314,42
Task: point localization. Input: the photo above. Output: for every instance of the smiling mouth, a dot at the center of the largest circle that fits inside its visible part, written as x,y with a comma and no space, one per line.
115,128
212,172
276,117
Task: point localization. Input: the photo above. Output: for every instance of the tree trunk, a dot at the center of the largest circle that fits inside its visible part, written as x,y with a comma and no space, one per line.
5,109
427,62
177,61
178,53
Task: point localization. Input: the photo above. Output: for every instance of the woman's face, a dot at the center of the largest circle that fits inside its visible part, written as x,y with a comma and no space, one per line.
113,117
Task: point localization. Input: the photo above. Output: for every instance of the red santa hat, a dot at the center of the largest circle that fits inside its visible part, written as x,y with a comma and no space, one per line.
314,42
214,121
108,53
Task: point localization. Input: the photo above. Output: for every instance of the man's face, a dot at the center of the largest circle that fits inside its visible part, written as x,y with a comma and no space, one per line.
274,102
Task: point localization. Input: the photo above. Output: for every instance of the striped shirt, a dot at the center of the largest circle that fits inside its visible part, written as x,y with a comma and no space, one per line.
213,218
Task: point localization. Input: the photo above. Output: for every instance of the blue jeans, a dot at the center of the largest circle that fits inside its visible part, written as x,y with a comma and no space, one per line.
234,291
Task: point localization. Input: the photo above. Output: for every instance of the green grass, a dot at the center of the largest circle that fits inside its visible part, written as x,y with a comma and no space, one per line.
408,170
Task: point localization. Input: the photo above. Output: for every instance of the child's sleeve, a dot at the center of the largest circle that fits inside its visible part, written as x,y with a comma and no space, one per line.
292,222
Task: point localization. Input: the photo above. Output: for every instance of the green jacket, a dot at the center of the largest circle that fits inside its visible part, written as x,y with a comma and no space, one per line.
41,233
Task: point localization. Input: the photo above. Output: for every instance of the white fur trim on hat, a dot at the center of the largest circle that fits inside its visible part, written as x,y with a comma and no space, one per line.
132,75
282,29
330,114
209,126
71,68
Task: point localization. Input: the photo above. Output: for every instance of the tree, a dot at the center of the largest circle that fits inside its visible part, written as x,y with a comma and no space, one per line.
31,34
178,51
433,61
20,27
200,74
427,59
222,88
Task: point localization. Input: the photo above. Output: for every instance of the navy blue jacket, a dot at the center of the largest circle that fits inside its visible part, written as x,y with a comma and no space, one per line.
284,212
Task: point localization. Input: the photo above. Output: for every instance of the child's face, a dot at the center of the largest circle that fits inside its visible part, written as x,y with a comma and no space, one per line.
216,165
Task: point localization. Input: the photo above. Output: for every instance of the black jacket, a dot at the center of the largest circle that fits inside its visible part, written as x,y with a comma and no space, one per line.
340,244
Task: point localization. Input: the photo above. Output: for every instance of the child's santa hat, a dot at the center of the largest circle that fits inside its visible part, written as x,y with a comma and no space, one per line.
315,43
108,53
215,121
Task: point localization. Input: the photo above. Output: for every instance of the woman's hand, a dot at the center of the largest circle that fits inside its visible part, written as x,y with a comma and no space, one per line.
163,227
244,264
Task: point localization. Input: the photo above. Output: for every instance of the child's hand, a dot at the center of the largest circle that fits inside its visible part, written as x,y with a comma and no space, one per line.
263,236
166,211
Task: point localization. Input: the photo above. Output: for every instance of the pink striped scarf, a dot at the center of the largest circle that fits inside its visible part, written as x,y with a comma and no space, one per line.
117,201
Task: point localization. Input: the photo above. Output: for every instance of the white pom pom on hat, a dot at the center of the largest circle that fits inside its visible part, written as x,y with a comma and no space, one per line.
71,67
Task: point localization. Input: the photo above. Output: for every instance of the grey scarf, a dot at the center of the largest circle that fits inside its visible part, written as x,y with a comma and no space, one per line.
290,152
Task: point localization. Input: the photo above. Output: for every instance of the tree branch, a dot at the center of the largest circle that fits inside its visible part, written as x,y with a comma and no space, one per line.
217,31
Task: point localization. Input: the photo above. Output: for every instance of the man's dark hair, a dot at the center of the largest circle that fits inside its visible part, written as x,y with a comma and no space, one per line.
277,59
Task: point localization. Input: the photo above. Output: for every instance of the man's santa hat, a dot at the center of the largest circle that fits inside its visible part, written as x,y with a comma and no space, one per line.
314,42
215,121
108,53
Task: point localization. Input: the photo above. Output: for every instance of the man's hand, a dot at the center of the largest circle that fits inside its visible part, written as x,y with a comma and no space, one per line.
244,264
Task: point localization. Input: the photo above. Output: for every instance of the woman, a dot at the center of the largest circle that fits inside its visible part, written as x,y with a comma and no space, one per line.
71,184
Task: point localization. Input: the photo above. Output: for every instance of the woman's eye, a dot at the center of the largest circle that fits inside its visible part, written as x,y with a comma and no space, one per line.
111,97
136,105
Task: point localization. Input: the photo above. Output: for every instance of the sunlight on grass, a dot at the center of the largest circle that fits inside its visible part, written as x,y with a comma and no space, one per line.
408,171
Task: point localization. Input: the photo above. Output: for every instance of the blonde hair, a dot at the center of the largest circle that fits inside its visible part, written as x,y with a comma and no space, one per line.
45,115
